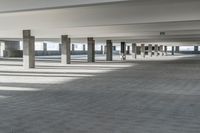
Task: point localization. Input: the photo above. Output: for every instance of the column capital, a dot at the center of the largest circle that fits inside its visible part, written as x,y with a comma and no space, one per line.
64,36
26,33
108,41
90,38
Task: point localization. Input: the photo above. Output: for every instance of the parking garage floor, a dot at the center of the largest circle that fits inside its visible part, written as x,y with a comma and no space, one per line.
152,95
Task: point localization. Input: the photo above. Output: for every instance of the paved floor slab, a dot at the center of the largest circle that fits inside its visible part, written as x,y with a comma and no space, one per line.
157,95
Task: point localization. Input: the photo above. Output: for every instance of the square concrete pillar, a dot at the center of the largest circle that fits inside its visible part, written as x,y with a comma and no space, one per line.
161,50
134,50
156,50
123,51
165,50
196,49
150,50
104,49
102,52
177,49
73,48
60,48
91,49
84,48
65,50
172,50
45,49
28,50
128,50
11,49
143,50
109,53
114,48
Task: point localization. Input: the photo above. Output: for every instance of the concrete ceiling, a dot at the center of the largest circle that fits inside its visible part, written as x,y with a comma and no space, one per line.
29,5
129,20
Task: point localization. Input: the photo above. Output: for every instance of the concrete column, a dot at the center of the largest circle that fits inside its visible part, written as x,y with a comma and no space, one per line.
73,48
165,50
123,51
65,51
143,50
156,50
60,48
91,49
102,52
84,48
177,49
109,55
12,45
134,50
150,50
11,49
45,48
128,50
196,49
161,50
114,48
28,50
105,49
172,50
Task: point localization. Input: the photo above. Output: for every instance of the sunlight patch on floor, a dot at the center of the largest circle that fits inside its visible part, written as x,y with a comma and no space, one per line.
54,72
35,80
3,97
2,88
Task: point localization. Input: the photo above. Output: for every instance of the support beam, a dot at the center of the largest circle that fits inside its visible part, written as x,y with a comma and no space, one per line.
91,49
123,51
172,50
65,49
134,50
28,50
143,50
156,50
109,53
150,50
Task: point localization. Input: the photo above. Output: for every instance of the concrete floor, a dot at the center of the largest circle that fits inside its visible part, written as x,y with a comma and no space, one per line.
157,95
